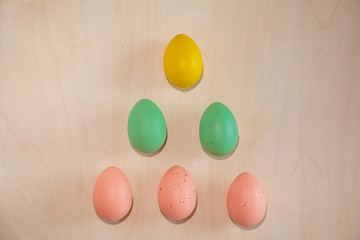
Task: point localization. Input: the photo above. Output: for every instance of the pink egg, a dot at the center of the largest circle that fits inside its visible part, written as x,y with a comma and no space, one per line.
112,196
246,200
177,195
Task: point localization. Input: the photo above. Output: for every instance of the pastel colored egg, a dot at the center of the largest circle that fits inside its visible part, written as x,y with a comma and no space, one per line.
218,130
112,195
146,126
177,195
246,202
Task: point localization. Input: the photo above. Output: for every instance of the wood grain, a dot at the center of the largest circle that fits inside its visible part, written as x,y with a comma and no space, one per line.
70,72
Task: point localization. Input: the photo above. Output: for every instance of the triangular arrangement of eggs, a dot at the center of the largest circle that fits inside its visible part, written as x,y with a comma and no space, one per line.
147,132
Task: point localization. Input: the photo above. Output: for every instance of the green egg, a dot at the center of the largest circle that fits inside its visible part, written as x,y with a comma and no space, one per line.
218,130
146,126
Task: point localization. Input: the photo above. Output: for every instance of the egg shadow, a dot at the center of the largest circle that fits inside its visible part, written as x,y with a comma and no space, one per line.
252,227
188,88
152,153
185,219
121,219
222,157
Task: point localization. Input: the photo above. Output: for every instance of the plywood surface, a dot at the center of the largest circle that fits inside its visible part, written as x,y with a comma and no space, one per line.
70,72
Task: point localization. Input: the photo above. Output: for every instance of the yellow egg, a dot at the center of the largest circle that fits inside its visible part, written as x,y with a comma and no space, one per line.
182,61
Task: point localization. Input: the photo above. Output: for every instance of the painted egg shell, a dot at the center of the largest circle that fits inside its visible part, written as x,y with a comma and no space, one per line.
146,126
177,196
218,130
112,195
183,63
246,202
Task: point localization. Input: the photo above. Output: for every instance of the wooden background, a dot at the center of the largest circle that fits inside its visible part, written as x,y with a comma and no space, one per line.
70,72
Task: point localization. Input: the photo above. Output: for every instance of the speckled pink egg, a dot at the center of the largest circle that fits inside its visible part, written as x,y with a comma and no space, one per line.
246,200
177,195
112,196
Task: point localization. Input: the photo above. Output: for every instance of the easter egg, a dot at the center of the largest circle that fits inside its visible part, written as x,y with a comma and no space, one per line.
177,196
218,130
246,202
112,195
183,63
146,126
